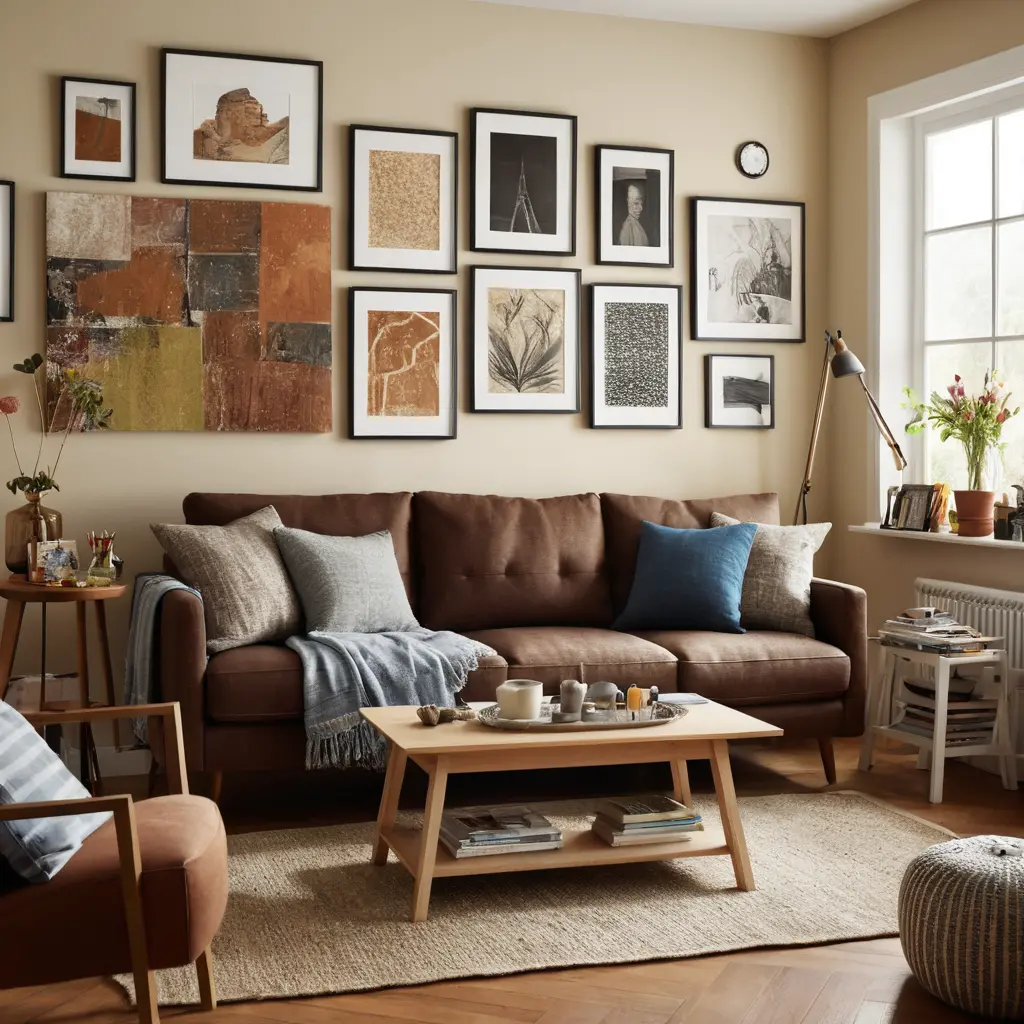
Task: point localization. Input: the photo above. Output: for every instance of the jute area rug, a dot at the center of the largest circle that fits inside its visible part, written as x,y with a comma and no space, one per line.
308,914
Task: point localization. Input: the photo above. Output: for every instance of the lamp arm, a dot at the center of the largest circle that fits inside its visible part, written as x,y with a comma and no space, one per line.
898,458
819,409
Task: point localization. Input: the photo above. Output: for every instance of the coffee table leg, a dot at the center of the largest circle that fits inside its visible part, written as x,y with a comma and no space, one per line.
681,783
428,839
722,772
389,802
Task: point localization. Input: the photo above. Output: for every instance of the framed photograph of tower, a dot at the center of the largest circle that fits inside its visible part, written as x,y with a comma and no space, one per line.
522,182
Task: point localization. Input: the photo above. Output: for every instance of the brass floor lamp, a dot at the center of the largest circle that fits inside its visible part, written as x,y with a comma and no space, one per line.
841,362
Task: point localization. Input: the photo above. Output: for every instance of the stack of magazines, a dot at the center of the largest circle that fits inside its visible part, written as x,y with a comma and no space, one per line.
968,721
928,629
632,821
478,831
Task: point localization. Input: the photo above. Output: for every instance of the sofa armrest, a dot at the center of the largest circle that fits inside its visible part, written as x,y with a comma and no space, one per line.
182,667
839,612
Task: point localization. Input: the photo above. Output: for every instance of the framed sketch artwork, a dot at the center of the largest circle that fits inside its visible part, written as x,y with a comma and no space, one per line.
97,129
747,270
739,391
635,365
522,182
526,340
6,251
635,194
238,119
403,187
402,359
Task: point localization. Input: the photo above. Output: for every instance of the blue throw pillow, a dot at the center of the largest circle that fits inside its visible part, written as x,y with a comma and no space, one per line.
688,579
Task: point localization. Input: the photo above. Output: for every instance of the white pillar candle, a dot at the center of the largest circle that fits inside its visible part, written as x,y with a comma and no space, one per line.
520,698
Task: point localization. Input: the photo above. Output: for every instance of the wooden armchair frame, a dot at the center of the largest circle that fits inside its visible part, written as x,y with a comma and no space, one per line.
123,809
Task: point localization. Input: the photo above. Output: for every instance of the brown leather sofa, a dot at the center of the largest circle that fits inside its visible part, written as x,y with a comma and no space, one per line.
540,581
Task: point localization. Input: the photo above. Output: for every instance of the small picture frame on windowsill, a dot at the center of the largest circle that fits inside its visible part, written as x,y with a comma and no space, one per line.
910,508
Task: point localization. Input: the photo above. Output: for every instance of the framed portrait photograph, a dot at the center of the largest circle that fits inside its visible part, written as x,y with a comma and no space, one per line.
739,391
635,364
525,340
522,182
402,363
243,120
97,129
635,195
6,251
403,191
747,270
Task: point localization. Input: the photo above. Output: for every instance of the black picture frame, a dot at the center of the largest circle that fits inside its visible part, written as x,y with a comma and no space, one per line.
475,186
7,248
67,80
168,179
709,418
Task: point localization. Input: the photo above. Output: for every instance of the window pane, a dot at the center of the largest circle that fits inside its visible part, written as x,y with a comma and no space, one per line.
1011,164
958,176
1011,367
958,285
1011,278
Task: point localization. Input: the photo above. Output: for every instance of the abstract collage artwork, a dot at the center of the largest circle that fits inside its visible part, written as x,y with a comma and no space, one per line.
194,314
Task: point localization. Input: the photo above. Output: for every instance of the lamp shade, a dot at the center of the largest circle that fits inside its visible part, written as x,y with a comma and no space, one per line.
845,363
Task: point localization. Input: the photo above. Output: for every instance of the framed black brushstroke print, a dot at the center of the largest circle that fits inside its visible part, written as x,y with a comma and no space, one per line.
739,391
636,375
6,251
747,270
635,197
522,182
238,119
525,339
97,129
403,198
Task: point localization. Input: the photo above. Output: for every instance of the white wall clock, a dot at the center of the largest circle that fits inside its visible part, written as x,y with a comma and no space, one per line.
752,159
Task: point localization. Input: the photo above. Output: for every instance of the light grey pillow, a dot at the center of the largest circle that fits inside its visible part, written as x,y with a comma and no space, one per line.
347,584
247,594
777,584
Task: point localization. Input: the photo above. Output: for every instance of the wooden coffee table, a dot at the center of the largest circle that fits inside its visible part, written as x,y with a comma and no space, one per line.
704,732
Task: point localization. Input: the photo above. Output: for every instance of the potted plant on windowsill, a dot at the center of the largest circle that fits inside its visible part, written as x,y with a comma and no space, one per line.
977,423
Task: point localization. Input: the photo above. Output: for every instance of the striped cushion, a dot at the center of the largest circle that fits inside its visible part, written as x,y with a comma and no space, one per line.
37,848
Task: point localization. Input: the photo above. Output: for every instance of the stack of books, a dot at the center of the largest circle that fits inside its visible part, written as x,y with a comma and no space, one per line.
928,629
478,831
632,821
968,721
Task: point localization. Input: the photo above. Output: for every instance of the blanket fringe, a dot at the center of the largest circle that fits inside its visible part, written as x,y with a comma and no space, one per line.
356,745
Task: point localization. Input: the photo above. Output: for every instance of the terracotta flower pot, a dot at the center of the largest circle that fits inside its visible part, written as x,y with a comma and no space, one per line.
975,512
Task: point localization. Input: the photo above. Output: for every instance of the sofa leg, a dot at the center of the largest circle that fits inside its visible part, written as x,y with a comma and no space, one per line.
828,758
204,973
216,786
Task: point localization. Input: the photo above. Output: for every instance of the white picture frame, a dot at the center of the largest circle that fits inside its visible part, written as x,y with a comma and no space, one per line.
625,236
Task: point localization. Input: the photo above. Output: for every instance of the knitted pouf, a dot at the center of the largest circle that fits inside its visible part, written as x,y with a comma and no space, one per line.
962,924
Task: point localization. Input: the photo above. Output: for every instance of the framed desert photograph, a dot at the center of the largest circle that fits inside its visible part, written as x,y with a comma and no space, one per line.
522,182
402,363
635,365
525,340
239,119
6,251
747,270
635,195
97,135
403,191
739,391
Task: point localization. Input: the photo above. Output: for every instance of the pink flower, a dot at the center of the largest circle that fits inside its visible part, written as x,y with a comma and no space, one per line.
956,377
1002,416
968,415
9,405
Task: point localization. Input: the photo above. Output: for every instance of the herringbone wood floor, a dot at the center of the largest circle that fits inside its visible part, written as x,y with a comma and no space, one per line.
848,983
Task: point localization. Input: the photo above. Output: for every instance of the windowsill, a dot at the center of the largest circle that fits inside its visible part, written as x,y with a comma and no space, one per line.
938,538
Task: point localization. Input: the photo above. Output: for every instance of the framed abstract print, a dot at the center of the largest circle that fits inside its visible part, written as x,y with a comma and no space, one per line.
635,364
6,251
242,120
522,182
739,391
97,133
747,270
635,196
525,340
403,189
402,363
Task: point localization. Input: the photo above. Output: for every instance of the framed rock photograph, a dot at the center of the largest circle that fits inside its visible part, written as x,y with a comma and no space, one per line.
403,191
6,251
635,196
522,182
97,135
635,365
525,340
739,391
402,359
242,120
747,270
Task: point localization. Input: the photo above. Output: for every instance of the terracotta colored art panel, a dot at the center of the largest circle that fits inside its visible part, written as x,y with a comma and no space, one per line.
231,335
284,397
403,360
295,263
149,287
158,222
216,225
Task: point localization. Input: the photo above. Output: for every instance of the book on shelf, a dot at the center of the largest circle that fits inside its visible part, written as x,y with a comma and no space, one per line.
655,828
637,809
637,837
523,845
476,831
960,688
952,738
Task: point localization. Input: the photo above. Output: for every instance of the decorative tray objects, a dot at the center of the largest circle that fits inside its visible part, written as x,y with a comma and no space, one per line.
620,718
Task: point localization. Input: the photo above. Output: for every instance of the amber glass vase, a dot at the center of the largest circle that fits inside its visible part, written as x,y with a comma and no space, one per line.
31,521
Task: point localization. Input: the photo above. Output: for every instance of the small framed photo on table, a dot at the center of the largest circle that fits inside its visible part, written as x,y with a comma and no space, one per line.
739,391
635,196
97,134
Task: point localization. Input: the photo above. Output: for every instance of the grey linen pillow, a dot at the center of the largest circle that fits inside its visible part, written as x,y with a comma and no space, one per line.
247,594
777,584
347,584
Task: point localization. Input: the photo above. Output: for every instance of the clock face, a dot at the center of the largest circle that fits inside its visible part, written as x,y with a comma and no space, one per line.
752,159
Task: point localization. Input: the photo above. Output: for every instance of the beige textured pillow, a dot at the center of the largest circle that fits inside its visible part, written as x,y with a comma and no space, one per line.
247,594
777,584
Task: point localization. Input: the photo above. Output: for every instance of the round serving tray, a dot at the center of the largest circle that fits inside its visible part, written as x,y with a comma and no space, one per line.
663,713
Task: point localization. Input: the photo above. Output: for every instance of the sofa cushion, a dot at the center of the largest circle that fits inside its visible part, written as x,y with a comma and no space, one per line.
755,667
254,684
490,562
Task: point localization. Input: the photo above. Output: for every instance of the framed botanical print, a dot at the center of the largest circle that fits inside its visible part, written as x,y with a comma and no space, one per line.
635,365
747,270
403,189
241,120
739,391
6,251
522,182
97,129
635,195
525,340
402,363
